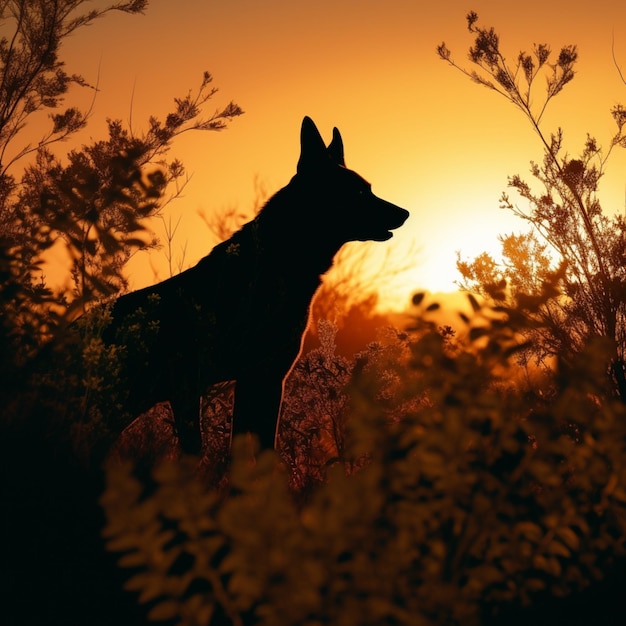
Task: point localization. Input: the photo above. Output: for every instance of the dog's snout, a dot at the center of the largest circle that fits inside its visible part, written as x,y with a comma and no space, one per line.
400,216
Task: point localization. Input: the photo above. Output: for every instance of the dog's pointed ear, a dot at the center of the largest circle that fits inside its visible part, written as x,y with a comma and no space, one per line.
335,148
312,149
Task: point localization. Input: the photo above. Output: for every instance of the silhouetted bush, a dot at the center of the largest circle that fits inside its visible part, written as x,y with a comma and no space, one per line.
452,499
59,404
571,237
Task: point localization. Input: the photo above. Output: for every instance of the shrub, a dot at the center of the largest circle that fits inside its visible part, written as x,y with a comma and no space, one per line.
474,500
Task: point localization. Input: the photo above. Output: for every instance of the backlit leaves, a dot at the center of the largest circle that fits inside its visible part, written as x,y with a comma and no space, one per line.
471,500
170,536
94,202
574,247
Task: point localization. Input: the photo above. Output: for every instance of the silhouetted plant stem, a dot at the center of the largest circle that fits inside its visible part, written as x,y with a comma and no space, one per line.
573,225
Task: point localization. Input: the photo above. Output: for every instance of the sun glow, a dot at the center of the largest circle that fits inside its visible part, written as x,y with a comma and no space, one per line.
427,262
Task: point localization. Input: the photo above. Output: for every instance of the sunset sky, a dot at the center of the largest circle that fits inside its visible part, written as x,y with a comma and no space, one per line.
425,136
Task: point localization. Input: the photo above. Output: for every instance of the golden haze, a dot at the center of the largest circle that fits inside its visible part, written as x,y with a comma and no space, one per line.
424,135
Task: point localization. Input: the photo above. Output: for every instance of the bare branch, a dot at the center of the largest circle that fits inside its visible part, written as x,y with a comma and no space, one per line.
619,71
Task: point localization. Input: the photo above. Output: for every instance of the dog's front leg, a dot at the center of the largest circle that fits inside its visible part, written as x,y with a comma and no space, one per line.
185,403
187,420
257,405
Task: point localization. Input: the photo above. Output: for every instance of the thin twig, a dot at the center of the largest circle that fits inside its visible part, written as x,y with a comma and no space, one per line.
619,71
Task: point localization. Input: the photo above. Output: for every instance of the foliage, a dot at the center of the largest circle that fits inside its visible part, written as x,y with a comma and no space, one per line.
91,204
315,413
312,418
33,76
573,243
466,500
94,202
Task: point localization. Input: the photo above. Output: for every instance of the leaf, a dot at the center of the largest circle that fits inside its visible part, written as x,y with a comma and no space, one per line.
530,530
520,347
619,494
569,538
558,549
133,559
535,584
549,565
166,610
127,541
478,332
473,302
417,298
200,606
489,574
153,587
139,581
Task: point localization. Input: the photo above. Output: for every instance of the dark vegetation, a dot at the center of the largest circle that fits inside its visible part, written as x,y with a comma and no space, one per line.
572,245
430,475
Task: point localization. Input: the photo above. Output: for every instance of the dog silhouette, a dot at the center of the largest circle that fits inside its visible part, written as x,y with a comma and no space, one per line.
241,312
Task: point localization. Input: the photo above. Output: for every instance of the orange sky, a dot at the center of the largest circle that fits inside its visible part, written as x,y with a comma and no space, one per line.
427,138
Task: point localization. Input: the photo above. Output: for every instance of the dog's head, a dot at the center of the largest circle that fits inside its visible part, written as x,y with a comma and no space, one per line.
345,198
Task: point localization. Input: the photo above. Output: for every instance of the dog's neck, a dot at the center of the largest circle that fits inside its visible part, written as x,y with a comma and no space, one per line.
288,235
